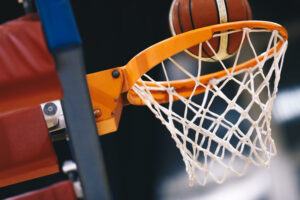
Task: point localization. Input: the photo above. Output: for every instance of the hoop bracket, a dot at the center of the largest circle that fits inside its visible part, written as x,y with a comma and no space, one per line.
105,90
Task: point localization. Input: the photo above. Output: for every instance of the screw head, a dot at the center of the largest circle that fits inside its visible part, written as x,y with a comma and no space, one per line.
97,113
115,74
50,109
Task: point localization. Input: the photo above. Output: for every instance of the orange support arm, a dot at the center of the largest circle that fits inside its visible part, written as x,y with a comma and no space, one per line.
105,91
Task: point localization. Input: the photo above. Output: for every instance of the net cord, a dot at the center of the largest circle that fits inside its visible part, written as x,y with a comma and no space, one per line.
257,138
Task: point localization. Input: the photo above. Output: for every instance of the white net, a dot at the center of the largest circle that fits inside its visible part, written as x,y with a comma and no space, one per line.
227,127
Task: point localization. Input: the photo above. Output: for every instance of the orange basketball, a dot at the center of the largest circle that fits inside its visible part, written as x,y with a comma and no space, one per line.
186,15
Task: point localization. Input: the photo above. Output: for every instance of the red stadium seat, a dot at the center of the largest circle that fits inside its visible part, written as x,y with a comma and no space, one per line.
26,150
27,71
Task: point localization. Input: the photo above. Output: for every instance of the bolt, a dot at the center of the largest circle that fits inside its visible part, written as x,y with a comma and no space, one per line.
112,113
116,99
97,113
115,74
50,109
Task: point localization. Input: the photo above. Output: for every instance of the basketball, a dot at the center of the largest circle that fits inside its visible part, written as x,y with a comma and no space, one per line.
186,15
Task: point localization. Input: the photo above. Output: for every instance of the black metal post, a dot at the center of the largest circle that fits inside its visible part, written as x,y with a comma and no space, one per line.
65,45
80,123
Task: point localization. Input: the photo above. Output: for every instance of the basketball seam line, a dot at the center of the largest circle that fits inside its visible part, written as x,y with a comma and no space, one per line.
179,18
245,7
191,16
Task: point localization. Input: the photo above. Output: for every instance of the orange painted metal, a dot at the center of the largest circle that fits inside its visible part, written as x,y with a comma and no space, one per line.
185,87
105,89
105,92
157,53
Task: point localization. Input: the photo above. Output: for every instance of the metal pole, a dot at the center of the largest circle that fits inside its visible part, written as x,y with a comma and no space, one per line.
65,44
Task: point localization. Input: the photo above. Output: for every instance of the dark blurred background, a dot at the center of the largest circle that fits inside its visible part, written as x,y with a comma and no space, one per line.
141,159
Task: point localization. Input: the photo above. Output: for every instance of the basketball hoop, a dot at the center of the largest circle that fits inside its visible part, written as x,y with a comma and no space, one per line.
219,113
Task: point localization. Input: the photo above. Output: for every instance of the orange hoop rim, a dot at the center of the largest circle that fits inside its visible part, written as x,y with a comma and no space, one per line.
152,56
109,94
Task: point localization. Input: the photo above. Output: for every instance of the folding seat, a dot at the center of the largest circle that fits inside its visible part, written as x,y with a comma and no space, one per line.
26,150
27,78
27,71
